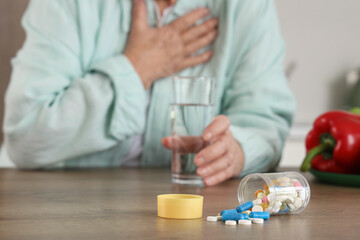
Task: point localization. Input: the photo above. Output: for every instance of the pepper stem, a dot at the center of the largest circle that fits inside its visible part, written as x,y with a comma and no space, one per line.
305,166
355,110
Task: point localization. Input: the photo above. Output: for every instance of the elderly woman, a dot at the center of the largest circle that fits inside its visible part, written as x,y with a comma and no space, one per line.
91,86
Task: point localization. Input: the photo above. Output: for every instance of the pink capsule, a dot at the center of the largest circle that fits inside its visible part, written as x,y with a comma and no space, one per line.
264,199
297,185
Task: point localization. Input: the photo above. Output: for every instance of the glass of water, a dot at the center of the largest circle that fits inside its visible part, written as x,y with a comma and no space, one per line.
192,111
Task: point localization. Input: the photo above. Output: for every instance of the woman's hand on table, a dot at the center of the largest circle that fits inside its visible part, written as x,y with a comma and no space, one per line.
160,52
222,158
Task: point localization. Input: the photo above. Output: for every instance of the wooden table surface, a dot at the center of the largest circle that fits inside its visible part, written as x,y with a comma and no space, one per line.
121,204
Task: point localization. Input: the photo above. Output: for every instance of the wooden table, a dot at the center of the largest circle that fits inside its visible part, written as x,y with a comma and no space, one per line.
121,204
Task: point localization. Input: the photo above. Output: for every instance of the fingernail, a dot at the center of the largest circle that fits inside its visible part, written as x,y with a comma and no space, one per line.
209,181
208,136
200,161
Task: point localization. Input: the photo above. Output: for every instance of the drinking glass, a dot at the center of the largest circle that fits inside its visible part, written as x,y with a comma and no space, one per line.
192,111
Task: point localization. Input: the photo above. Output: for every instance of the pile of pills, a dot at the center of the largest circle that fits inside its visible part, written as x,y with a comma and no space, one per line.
244,214
284,196
288,196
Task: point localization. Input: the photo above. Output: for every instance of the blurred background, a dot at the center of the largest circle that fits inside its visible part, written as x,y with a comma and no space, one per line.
322,63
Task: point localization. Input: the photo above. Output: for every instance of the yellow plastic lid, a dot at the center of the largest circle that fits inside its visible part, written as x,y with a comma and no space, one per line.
180,206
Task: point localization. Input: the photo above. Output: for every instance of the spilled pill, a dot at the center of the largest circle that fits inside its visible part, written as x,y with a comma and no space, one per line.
230,222
257,220
245,206
244,222
228,211
263,215
212,219
257,201
233,216
257,208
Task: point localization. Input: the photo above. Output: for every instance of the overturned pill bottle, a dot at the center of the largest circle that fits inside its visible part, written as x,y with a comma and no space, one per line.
276,193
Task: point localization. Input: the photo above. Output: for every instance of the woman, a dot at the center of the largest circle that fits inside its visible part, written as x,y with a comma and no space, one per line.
91,85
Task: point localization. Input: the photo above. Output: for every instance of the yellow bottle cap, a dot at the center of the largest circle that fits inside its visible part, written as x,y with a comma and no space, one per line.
180,206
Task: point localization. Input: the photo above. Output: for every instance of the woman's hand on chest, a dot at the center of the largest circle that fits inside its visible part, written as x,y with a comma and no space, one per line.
160,52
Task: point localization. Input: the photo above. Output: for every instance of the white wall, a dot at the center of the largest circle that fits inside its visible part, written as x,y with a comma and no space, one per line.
323,38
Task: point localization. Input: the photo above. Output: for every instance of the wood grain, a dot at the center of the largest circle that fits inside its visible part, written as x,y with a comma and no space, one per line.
121,204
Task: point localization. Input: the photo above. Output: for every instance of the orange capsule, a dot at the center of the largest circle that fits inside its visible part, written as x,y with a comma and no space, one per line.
264,206
266,187
275,182
257,192
246,212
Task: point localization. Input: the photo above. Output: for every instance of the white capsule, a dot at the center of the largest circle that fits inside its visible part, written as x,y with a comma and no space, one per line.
270,197
230,222
283,180
212,219
291,206
276,207
257,220
302,195
269,210
293,180
257,201
281,198
298,202
295,195
244,222
285,191
285,184
257,208
289,200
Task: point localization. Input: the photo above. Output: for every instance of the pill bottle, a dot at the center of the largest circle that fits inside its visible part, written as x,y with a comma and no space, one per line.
276,193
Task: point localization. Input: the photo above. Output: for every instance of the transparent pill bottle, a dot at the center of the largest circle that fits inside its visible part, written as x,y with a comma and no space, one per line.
276,193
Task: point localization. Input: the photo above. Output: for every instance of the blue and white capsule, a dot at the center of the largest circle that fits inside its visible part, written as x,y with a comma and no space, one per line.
234,216
228,211
263,215
245,206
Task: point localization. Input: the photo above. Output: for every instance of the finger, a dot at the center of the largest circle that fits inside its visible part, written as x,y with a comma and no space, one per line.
219,126
215,166
188,144
196,60
139,15
201,42
197,31
212,152
183,23
219,177
166,142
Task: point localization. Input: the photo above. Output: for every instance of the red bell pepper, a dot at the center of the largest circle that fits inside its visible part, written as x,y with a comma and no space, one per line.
333,145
